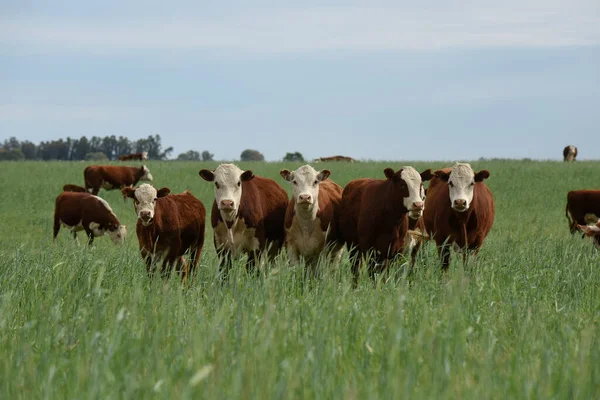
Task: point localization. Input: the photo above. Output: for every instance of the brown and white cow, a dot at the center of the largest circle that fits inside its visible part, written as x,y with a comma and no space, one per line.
569,153
582,206
335,158
248,214
134,156
374,216
311,227
592,231
459,210
111,177
168,227
89,213
73,188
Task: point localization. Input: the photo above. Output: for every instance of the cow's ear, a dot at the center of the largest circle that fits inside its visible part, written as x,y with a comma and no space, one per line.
286,174
426,175
389,173
323,175
481,175
441,175
163,192
128,192
247,176
207,175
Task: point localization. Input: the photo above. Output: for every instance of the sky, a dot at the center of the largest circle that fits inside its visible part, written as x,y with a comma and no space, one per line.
380,80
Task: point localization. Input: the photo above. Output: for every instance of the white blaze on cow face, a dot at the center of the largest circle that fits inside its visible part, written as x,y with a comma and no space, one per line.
305,181
144,155
227,180
147,176
145,202
414,202
461,184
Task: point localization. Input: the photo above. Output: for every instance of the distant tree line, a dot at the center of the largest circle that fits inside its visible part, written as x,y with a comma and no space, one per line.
96,148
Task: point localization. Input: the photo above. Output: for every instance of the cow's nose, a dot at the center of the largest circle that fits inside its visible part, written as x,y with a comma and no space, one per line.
305,197
145,215
418,205
460,203
227,203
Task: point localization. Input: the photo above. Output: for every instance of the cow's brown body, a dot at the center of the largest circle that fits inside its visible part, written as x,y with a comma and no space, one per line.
335,158
308,239
133,157
177,228
110,177
569,153
580,203
466,230
78,210
259,225
73,188
374,222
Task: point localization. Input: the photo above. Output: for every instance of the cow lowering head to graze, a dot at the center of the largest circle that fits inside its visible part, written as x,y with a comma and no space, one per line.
579,204
459,212
310,220
135,156
73,188
168,227
335,158
89,213
248,214
569,153
111,177
593,232
374,216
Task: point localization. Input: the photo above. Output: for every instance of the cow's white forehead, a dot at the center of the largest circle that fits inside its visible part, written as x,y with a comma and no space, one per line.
461,171
410,174
305,172
227,173
145,193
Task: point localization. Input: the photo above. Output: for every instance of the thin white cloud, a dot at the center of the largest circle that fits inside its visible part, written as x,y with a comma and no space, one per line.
318,28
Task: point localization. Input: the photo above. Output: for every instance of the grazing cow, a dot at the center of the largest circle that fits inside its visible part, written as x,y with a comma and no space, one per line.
89,213
248,214
582,207
335,158
134,156
111,177
593,232
374,216
569,153
310,220
73,188
460,212
168,227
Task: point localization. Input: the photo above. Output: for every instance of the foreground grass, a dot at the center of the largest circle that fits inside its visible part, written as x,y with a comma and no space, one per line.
89,323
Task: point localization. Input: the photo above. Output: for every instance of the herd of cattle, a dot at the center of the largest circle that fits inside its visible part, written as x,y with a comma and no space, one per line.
375,219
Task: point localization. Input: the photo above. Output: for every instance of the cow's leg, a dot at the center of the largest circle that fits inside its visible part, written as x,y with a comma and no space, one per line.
56,227
195,255
225,263
444,252
89,233
251,263
355,260
292,254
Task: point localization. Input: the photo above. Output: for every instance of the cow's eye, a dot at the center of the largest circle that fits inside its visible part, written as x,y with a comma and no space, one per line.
217,185
450,184
472,183
295,183
239,184
154,200
315,183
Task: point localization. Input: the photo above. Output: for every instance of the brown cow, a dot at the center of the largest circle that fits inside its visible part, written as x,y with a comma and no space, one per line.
89,213
73,188
335,158
248,214
111,177
168,227
569,153
579,204
374,216
460,212
310,220
134,156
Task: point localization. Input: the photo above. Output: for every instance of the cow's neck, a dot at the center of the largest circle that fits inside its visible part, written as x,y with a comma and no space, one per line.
463,219
229,219
306,217
139,172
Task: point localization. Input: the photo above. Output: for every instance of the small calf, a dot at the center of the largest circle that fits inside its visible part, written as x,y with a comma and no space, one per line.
89,213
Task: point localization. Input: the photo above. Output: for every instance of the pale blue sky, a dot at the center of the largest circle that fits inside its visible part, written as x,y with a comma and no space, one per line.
385,80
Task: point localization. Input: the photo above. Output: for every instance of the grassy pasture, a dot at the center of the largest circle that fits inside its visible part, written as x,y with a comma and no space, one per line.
89,323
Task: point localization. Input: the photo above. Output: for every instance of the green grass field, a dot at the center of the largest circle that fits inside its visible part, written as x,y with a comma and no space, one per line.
78,322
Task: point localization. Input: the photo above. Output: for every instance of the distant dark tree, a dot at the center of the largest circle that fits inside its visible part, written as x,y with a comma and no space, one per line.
207,156
11,144
251,155
80,148
153,146
123,146
95,144
96,156
190,155
291,157
11,155
29,150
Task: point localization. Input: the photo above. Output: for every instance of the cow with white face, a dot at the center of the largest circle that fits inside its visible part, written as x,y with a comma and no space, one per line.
247,214
310,221
459,210
144,200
